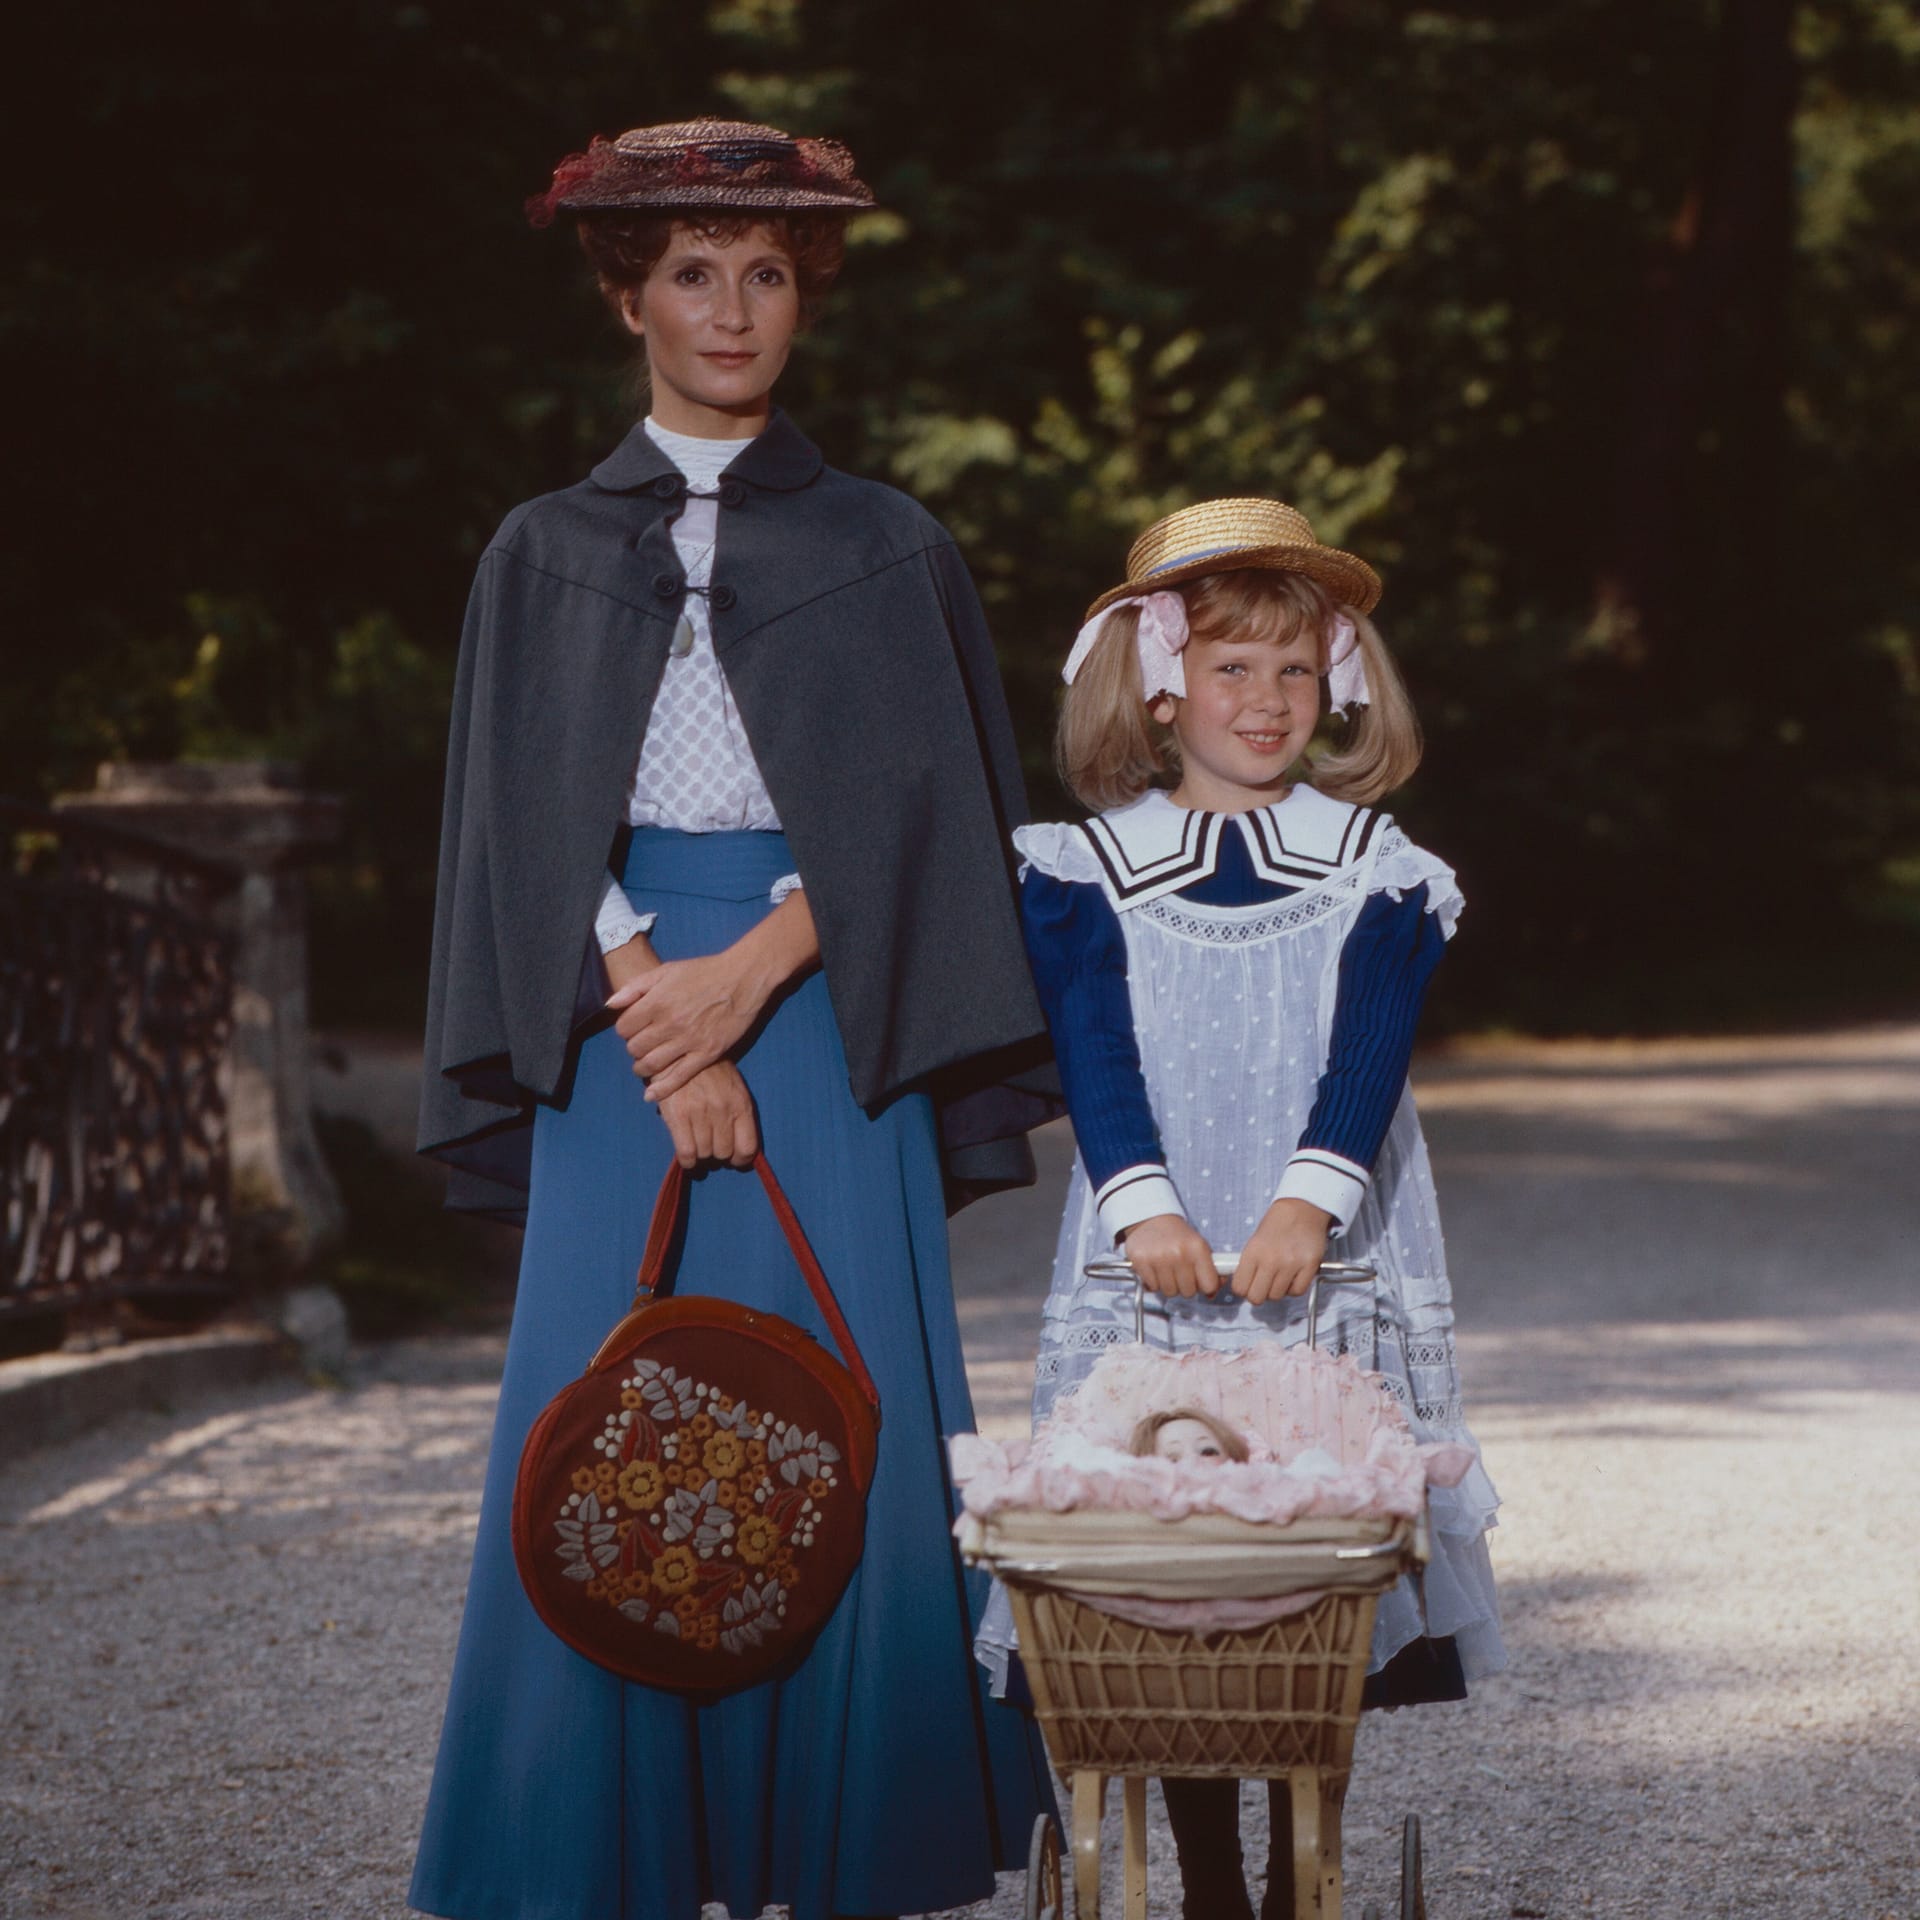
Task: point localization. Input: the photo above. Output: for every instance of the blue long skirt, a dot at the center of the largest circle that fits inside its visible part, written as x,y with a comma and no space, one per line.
876,1778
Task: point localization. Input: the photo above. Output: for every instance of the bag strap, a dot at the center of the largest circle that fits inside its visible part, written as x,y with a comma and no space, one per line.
667,1210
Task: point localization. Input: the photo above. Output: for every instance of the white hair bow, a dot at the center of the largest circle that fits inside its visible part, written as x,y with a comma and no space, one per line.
1161,638
1346,667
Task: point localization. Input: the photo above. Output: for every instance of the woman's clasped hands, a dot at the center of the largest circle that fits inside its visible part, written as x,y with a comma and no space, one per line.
680,1019
681,1016
1171,1256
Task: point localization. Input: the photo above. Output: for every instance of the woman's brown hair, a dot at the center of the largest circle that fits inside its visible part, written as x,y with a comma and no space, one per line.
1110,749
623,248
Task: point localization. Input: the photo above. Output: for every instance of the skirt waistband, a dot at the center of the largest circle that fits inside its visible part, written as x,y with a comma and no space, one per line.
712,866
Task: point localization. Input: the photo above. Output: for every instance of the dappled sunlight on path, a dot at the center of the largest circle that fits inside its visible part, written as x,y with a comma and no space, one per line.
226,1640
1690,1330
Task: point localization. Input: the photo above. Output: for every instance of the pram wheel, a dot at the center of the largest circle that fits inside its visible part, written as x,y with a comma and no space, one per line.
1413,1899
1046,1889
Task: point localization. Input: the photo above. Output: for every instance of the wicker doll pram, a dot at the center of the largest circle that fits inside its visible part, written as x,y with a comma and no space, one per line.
1125,1698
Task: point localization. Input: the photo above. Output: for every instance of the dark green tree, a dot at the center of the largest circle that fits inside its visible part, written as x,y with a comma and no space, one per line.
1592,325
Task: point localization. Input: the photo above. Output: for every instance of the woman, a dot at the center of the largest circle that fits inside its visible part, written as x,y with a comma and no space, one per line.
767,687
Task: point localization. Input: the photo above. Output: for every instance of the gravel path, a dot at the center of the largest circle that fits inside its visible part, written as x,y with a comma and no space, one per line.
1691,1333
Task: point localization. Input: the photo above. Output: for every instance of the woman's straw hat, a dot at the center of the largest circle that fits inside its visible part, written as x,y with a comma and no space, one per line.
727,165
1221,536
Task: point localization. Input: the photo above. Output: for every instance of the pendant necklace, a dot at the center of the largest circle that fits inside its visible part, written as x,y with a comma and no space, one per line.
683,635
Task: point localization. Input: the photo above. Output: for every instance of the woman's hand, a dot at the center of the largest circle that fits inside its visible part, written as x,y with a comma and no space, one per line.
1170,1256
711,1117
1284,1253
681,1016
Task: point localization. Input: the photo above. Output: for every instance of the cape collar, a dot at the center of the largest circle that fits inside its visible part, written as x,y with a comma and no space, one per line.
780,458
1151,846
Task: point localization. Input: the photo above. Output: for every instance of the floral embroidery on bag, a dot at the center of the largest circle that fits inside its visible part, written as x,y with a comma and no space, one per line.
691,1519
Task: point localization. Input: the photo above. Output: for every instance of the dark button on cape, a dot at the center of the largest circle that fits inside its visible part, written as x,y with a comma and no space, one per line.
857,655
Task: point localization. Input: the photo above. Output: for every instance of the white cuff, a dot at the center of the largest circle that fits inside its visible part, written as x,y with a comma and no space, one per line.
786,884
1334,1185
1135,1194
616,922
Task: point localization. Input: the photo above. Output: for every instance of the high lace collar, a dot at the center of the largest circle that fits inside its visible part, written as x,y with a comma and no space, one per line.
701,459
782,459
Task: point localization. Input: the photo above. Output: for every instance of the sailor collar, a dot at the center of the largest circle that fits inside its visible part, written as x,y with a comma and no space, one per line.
1151,846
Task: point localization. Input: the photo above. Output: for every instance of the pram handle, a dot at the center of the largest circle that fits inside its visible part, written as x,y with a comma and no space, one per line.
1117,1267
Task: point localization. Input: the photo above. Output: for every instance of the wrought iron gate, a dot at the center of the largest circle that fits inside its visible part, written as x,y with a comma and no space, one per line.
116,1001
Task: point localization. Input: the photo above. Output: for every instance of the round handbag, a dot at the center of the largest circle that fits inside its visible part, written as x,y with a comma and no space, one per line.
689,1511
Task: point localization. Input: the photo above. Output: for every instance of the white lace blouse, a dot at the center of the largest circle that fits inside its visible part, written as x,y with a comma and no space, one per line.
696,771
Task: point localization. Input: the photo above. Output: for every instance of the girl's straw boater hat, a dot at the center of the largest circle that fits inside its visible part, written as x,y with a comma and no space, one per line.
1220,536
720,165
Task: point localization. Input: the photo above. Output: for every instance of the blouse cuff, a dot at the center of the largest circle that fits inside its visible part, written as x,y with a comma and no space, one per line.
786,884
1135,1194
616,923
1334,1185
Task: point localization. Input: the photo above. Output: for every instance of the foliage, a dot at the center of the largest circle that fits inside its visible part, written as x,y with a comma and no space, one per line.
405,1262
1444,276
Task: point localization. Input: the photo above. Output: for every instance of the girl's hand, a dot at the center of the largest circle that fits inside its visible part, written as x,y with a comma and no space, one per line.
681,1016
711,1117
1170,1256
1284,1253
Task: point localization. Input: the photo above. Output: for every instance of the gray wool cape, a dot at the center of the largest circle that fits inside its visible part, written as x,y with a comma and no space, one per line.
854,645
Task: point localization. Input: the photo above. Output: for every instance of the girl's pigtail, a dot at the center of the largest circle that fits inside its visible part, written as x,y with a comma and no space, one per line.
1104,745
1381,744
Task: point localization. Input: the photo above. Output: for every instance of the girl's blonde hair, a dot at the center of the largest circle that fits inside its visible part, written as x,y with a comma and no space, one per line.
1110,749
1145,1438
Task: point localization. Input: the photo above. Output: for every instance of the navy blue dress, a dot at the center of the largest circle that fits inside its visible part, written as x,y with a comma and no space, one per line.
1079,961
1079,958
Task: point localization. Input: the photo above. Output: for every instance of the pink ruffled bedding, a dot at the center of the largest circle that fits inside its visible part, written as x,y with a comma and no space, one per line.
1325,1440
1286,1401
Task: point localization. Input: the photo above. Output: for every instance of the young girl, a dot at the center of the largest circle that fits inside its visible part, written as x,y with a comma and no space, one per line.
1232,955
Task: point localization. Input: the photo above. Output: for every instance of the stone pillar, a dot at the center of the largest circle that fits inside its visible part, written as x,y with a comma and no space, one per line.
255,817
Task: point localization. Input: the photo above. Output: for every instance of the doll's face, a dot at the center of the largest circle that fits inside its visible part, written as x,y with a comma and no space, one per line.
1249,713
1188,1440
718,318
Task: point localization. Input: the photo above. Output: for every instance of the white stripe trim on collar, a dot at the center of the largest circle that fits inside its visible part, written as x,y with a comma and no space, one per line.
1152,847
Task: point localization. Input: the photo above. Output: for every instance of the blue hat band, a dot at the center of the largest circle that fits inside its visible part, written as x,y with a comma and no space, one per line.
1187,559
